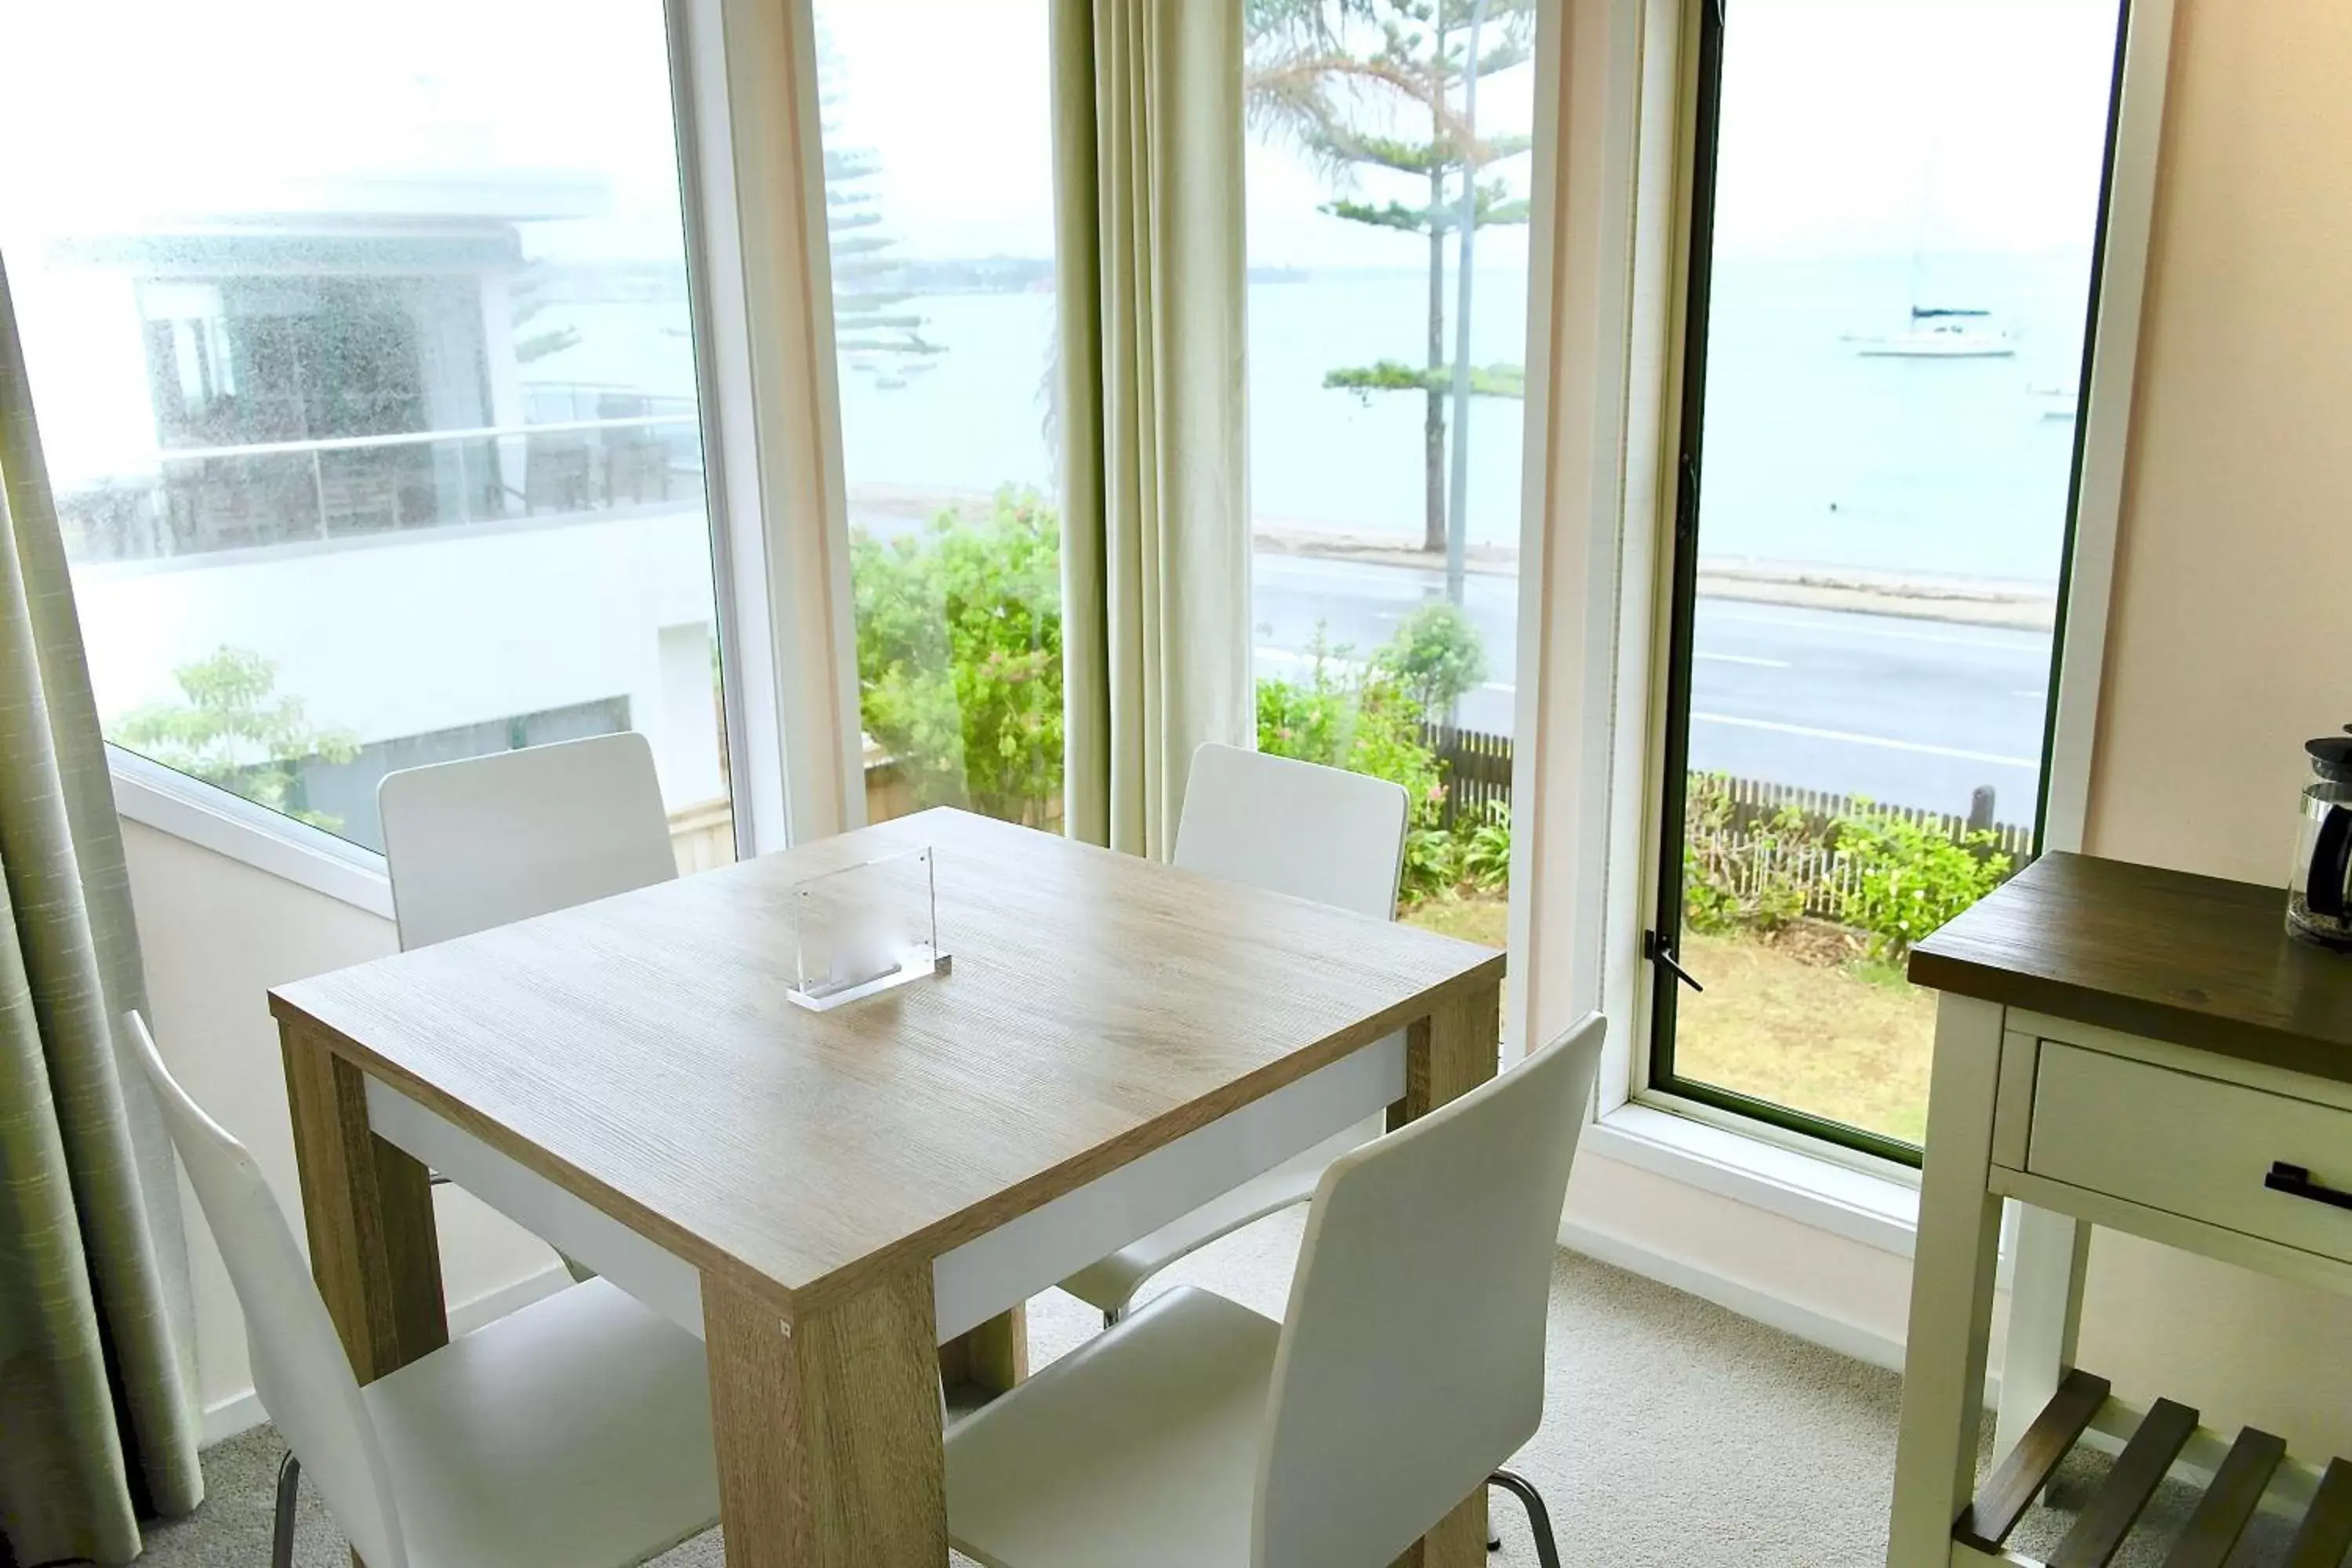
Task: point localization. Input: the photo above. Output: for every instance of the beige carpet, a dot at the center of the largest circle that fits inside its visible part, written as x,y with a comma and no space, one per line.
1675,1434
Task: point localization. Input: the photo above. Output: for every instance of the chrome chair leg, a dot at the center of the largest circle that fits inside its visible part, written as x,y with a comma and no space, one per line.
281,1541
1539,1517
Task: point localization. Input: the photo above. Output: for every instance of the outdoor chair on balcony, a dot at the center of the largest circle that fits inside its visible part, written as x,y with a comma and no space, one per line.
359,492
636,465
558,472
1312,832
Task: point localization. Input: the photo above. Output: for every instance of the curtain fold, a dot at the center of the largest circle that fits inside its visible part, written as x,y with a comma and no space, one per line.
1156,545
97,1386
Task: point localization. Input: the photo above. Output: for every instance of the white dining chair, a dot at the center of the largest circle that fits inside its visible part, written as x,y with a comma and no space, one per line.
574,1431
487,840
1294,827
1407,1371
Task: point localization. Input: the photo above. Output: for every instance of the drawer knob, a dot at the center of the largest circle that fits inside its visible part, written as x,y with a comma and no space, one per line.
2296,1181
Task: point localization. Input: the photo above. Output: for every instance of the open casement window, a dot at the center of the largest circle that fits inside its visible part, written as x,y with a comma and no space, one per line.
1894,237
365,370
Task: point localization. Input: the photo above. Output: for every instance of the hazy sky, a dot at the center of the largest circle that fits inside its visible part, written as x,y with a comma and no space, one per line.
1886,126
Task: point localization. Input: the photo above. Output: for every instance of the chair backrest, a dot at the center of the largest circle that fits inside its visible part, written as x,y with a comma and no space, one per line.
1411,1359
1295,827
487,840
300,1369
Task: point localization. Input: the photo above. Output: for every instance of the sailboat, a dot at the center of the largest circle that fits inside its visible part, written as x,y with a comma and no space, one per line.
1936,331
1941,332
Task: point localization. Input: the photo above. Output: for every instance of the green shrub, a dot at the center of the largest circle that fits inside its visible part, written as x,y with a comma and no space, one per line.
1909,878
1487,849
959,655
235,730
1435,655
1754,881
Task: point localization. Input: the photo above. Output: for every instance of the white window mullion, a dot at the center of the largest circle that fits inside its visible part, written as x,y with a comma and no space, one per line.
761,277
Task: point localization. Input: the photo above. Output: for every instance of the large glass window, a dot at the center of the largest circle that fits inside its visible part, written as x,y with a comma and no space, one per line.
364,368
939,201
1385,383
1895,223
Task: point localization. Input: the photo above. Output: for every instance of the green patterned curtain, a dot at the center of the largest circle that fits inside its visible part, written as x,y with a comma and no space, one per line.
97,1386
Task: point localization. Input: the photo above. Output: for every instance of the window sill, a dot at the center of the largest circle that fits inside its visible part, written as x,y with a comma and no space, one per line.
156,796
1876,1210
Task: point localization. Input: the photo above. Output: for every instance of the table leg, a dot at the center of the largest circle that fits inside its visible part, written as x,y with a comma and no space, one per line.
2048,1252
826,1423
1447,1055
992,1358
1951,1289
368,1209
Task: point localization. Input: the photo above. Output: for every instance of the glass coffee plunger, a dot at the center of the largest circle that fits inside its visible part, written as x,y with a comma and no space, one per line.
2319,895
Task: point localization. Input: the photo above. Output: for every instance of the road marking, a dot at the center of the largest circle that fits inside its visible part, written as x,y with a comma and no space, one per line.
1880,741
1743,658
1891,636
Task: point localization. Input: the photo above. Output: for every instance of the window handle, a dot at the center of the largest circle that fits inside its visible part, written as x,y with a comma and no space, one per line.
1658,952
2296,1181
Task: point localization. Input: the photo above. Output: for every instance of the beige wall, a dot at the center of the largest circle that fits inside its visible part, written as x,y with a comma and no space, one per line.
2224,655
2226,645
217,934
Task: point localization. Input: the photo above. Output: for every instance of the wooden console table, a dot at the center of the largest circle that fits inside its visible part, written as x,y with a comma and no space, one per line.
2144,1050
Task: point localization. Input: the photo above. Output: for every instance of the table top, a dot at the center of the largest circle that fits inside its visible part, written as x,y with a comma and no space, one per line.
2162,954
641,1051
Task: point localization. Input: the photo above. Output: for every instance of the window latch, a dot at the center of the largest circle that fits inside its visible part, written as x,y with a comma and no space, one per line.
1654,949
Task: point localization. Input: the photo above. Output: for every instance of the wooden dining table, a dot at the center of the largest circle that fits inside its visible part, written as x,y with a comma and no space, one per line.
849,1205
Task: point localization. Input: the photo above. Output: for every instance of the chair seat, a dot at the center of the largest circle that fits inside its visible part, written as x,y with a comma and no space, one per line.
574,1432
1138,1448
1108,1286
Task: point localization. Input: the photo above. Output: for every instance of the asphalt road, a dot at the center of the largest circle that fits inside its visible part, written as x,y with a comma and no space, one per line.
1912,713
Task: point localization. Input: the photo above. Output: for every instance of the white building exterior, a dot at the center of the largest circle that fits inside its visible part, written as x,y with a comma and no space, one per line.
249,423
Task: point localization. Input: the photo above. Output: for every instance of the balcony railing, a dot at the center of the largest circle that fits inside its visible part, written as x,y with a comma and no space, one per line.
207,499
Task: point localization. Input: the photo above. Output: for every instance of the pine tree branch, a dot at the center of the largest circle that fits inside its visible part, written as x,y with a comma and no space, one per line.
1499,380
1396,214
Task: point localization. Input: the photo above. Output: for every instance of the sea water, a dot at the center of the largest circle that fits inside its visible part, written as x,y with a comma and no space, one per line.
1815,454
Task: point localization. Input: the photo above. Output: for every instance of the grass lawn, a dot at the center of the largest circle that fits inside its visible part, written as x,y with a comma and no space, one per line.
1846,1041
1485,921
1849,1042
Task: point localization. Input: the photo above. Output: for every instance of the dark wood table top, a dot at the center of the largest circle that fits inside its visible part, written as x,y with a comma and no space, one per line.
2163,954
640,1050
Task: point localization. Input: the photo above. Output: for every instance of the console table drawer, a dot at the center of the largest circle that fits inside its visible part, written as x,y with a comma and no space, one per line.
2193,1146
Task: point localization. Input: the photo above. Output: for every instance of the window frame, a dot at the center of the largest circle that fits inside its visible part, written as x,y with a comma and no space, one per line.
1616,143
1669,743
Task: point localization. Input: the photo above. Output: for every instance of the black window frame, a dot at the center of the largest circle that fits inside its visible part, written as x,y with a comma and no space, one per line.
1663,937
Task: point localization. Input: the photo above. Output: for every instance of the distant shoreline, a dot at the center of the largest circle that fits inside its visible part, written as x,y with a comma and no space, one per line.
1971,601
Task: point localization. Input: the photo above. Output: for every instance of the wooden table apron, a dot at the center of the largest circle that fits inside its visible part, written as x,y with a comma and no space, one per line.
824,1383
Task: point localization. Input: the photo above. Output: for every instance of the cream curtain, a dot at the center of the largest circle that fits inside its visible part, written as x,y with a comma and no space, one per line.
1155,575
97,1412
